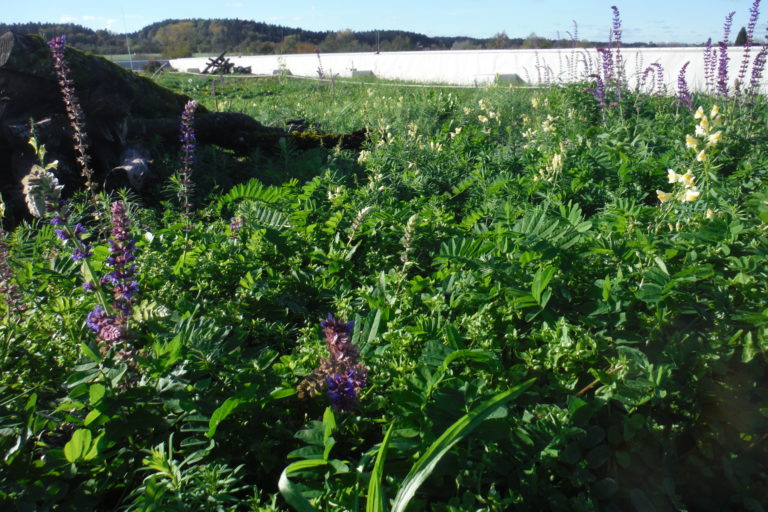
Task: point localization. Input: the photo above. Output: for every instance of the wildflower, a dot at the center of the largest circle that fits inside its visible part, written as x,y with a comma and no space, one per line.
455,132
341,372
74,110
663,196
714,138
690,194
482,118
715,112
672,176
121,278
704,123
535,102
691,142
189,142
467,111
710,214
687,179
699,113
700,131
701,156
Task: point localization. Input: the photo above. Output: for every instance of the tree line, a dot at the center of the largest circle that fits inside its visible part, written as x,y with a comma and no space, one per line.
182,38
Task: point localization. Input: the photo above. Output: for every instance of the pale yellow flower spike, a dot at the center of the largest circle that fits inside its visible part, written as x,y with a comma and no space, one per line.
699,113
715,138
663,196
691,142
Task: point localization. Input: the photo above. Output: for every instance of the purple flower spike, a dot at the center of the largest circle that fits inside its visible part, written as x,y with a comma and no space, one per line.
341,372
73,108
188,147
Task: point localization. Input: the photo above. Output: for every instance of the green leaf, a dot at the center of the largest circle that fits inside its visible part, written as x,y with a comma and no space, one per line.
224,410
96,392
290,491
78,446
540,282
459,430
375,500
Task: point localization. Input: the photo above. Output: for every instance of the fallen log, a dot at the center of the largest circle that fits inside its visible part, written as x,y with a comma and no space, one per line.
122,111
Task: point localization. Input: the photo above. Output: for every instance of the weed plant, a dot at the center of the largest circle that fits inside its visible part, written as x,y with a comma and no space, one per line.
557,305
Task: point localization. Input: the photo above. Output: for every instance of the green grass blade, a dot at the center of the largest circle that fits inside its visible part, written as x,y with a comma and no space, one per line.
291,493
375,500
460,429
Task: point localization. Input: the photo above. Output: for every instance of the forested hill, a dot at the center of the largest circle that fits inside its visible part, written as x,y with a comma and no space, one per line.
179,38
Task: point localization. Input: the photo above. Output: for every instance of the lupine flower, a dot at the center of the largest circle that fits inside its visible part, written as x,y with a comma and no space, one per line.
188,147
74,110
341,372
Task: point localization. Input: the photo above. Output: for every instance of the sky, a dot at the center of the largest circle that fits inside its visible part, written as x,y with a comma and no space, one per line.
685,21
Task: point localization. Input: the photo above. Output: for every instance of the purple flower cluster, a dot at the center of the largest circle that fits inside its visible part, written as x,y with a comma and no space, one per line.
683,92
754,13
341,372
8,289
618,60
722,62
111,323
63,230
710,61
121,248
72,105
188,146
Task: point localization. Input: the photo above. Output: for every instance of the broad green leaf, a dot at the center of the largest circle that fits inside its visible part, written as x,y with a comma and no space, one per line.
458,431
78,446
375,500
96,392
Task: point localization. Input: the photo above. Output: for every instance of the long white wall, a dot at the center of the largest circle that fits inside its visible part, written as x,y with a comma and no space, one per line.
468,67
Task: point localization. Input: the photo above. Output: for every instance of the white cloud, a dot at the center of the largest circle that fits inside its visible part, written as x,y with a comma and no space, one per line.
235,4
89,18
66,18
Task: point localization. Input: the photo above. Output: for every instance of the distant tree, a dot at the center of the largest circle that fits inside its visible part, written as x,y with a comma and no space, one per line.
741,37
465,44
176,39
500,41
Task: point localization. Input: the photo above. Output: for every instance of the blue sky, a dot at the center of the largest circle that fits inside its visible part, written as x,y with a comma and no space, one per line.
643,20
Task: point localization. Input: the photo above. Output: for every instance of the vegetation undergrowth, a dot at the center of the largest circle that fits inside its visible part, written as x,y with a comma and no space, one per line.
537,303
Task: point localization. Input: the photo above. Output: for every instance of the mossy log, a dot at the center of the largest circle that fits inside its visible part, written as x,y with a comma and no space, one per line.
122,112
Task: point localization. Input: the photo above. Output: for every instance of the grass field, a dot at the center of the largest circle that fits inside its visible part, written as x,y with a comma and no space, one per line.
558,304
